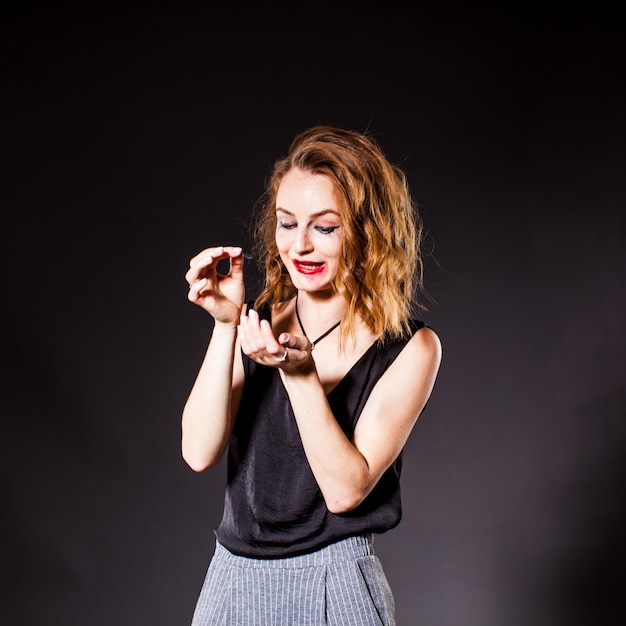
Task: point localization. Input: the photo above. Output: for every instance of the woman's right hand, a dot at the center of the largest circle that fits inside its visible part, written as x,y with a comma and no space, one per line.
221,295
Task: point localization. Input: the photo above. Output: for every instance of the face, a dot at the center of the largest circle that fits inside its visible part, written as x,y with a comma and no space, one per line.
308,230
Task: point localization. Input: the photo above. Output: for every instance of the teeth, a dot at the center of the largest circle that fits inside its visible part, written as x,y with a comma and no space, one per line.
308,266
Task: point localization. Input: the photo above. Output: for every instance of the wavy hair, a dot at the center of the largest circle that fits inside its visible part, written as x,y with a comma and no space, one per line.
381,268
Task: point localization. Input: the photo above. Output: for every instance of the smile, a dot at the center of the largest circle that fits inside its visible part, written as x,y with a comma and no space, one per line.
308,267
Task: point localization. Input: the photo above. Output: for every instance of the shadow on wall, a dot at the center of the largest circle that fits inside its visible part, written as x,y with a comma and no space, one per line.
581,577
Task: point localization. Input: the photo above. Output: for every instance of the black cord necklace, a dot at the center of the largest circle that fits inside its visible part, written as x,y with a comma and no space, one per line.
324,334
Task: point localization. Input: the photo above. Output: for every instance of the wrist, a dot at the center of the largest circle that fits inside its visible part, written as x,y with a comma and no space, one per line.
304,375
226,329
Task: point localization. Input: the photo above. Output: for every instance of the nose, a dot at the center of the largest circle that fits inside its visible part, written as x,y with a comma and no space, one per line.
303,243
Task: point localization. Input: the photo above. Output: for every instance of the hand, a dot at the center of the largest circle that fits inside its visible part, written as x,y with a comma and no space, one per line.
291,353
221,295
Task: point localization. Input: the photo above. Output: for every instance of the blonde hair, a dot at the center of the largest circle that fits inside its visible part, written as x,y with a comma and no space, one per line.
381,268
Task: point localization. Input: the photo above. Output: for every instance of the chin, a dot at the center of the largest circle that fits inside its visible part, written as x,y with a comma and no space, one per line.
324,289
311,283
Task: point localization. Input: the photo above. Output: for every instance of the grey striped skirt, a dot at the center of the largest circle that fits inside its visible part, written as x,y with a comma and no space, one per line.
342,584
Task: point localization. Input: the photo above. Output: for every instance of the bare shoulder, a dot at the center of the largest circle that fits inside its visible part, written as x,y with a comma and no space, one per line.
422,349
415,368
426,343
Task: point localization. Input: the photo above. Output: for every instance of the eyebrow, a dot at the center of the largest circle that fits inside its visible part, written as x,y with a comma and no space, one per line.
318,214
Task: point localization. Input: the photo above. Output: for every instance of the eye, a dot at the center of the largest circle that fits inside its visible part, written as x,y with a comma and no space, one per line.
287,225
326,230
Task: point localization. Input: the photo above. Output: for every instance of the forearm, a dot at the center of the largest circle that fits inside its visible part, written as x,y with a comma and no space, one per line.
340,469
207,415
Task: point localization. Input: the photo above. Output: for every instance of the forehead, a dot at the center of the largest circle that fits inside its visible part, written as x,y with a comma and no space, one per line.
302,191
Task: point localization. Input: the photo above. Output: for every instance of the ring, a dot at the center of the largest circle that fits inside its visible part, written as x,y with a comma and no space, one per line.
280,359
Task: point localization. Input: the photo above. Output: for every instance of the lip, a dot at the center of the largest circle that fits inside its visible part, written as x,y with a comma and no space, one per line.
308,268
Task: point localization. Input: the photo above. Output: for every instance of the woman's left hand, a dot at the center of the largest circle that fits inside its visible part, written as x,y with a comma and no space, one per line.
289,352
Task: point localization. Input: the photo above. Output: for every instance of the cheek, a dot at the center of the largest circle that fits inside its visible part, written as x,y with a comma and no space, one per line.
281,238
330,247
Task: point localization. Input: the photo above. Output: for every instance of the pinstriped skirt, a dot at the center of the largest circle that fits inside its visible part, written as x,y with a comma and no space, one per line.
342,584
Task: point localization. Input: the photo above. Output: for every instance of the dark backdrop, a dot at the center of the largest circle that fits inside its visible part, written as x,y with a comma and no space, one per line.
134,135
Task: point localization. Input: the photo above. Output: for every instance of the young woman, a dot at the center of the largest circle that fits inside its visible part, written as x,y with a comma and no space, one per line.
313,388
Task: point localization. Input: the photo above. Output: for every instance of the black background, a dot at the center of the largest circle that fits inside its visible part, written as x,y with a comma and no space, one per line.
135,135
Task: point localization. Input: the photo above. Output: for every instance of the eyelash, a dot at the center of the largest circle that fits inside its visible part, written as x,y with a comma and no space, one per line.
325,230
287,225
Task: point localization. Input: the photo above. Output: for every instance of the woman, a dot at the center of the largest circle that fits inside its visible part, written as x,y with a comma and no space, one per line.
314,388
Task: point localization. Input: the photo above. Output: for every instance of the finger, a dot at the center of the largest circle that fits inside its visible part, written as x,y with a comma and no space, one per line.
257,340
196,287
209,255
203,253
246,333
208,259
254,334
296,342
200,265
197,269
248,337
271,345
233,251
236,262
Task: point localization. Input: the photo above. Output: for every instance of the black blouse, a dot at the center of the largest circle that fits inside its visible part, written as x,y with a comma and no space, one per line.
273,505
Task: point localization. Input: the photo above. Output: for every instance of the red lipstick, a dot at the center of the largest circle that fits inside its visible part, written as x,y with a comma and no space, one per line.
308,267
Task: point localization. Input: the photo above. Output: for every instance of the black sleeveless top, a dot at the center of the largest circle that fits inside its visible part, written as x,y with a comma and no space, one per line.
273,505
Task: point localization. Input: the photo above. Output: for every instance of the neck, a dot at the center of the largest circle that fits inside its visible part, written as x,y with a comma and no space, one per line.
318,317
